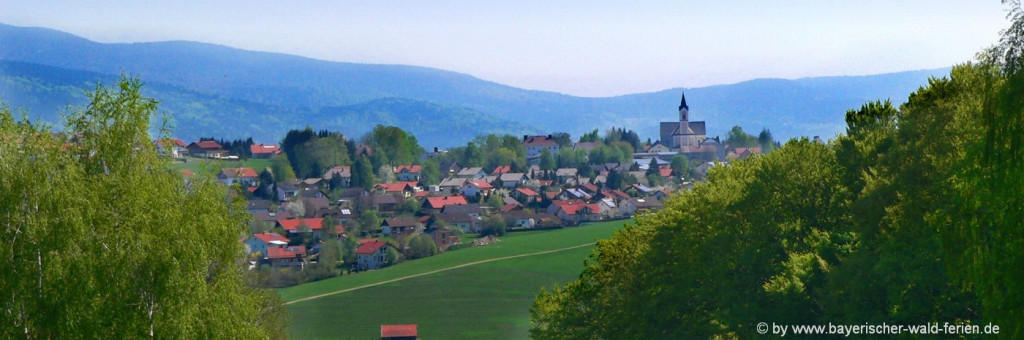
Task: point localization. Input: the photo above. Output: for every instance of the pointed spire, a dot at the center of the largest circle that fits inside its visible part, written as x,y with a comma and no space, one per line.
682,103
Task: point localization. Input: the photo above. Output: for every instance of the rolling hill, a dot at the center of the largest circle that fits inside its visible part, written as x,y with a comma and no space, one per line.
223,91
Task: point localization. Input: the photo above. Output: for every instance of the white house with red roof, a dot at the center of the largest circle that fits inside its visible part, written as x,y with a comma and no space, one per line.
408,173
264,150
534,145
371,254
261,242
576,212
302,225
171,147
245,176
404,188
477,187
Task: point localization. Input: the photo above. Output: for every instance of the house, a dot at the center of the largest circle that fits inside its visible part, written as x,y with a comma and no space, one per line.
452,185
398,225
501,169
553,208
449,168
385,204
398,332
347,198
264,150
259,243
286,256
302,225
563,175
405,189
633,205
474,188
586,146
462,221
608,208
534,145
575,193
657,147
520,219
443,238
744,153
575,213
343,173
472,173
434,204
171,147
286,190
512,179
526,195
371,254
206,149
257,205
665,172
408,173
474,210
246,176
589,188
310,183
270,218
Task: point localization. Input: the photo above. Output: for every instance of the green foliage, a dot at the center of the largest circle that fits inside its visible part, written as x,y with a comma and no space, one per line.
140,255
913,216
311,154
421,246
369,220
493,225
431,173
398,146
282,168
362,174
738,138
680,166
547,160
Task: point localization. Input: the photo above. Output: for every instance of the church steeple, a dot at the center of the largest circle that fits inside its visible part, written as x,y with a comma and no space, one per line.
682,103
684,110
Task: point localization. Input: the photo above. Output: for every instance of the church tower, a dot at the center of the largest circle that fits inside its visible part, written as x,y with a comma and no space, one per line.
684,122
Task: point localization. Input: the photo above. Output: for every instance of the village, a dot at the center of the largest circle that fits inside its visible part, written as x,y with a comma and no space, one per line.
402,216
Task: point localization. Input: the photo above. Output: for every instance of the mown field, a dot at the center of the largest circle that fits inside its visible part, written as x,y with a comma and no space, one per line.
483,301
197,164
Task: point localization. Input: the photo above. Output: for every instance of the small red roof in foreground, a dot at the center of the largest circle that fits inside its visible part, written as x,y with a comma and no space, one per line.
369,246
392,331
293,223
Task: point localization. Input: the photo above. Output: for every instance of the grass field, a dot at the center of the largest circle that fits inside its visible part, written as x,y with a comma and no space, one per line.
484,301
196,164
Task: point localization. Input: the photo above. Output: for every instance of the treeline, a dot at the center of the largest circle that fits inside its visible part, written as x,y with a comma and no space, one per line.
913,216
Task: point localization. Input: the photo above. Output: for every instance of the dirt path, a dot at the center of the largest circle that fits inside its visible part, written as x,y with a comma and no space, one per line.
435,271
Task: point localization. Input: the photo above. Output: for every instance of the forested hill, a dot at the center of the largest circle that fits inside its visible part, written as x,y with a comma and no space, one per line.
218,90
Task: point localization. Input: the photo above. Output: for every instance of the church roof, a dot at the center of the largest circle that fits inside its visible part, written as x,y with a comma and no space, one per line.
682,103
672,128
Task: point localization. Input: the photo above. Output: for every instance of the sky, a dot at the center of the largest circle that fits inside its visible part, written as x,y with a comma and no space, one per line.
583,48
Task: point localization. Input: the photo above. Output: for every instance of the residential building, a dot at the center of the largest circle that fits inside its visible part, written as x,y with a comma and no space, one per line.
246,176
342,172
408,173
259,243
264,150
371,254
206,149
398,225
534,145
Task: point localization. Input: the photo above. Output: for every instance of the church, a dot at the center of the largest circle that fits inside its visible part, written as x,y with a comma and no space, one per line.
683,136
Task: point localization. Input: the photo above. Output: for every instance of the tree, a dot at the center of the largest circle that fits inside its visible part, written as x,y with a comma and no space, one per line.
114,263
431,173
547,161
680,166
494,201
421,246
362,174
394,144
563,139
282,168
493,225
652,168
764,139
265,189
738,138
369,220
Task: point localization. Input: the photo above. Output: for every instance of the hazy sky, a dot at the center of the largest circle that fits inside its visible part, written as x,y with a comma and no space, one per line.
588,48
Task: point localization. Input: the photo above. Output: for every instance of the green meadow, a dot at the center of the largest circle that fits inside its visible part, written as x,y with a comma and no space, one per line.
489,300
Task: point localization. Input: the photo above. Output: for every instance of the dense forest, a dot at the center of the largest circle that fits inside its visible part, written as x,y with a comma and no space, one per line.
912,216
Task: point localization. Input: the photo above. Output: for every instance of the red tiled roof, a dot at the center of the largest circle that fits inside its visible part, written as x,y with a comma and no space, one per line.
268,237
209,145
397,186
620,193
410,168
337,230
172,141
552,194
290,224
665,172
421,194
589,187
527,191
286,252
264,149
239,173
539,141
438,202
187,173
369,246
480,184
567,202
573,209
501,169
397,331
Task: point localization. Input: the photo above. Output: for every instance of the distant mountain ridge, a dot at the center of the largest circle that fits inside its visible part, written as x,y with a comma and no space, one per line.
222,91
